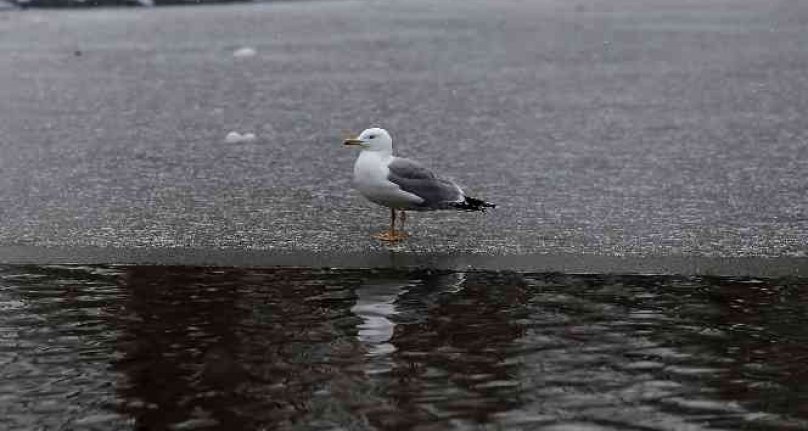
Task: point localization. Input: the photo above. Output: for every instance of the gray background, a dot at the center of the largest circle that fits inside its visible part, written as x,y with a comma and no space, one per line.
627,127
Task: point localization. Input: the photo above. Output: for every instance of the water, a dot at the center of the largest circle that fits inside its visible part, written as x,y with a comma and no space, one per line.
139,347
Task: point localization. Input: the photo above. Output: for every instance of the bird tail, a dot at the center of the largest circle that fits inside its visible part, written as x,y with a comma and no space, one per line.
472,204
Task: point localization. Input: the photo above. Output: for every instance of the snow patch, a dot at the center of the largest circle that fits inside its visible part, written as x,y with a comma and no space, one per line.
244,52
237,138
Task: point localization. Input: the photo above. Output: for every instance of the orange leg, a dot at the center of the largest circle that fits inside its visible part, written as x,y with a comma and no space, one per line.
391,235
403,217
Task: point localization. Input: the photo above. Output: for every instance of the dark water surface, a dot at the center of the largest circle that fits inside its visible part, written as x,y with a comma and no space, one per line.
203,348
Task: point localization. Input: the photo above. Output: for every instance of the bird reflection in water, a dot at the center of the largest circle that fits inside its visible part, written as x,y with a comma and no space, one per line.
376,305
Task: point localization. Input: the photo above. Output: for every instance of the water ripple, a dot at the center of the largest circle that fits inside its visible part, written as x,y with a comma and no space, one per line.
287,348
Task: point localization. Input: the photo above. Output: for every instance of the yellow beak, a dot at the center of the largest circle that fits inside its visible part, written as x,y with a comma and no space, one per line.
353,141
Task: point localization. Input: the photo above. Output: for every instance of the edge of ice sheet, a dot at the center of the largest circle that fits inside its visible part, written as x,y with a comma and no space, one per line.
566,263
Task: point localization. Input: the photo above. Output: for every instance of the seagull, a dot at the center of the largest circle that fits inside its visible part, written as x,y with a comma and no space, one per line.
402,184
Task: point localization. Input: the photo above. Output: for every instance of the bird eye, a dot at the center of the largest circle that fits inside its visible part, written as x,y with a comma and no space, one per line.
371,136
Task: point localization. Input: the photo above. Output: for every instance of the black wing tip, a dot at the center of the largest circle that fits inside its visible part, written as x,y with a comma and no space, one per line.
474,204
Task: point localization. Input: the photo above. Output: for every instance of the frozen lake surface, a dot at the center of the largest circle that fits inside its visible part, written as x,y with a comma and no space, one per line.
621,127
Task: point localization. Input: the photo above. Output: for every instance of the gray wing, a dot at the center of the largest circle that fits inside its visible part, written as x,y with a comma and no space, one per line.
411,177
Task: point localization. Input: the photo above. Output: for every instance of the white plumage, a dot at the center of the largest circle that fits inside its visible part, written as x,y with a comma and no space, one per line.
371,172
402,184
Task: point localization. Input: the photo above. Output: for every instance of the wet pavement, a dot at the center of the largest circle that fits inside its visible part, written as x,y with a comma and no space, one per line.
605,128
145,347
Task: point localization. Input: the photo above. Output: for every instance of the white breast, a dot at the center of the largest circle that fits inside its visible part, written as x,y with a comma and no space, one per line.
370,178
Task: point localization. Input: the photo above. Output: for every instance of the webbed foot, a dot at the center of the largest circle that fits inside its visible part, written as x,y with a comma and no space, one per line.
391,236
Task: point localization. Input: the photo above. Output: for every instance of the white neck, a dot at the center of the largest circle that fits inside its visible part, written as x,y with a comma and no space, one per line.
380,151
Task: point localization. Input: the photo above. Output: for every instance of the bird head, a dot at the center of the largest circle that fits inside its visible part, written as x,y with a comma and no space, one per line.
374,139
